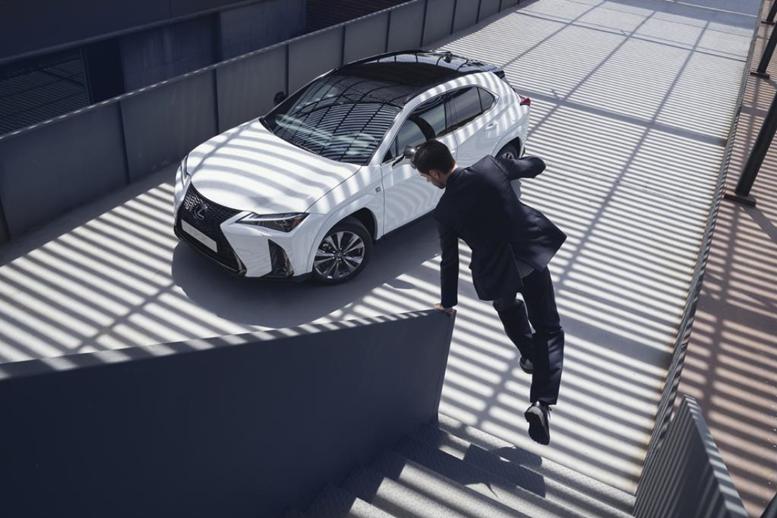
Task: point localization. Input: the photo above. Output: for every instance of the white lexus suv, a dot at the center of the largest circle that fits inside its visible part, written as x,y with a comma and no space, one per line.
307,189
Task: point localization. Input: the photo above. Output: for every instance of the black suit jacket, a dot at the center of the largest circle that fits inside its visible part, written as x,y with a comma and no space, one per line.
480,207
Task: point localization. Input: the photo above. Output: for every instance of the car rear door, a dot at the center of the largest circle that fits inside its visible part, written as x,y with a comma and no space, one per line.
407,194
474,124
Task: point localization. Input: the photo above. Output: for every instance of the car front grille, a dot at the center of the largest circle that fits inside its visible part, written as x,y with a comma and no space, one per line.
207,217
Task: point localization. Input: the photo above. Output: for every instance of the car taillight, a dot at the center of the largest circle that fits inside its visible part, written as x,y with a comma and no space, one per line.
525,101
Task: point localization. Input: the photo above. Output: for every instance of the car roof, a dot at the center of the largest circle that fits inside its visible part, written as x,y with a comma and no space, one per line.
396,78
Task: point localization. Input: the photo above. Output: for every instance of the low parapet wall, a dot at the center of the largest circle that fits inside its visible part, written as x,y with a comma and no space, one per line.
57,165
235,426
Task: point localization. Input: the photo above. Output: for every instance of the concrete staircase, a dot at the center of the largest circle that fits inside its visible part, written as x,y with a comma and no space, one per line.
456,471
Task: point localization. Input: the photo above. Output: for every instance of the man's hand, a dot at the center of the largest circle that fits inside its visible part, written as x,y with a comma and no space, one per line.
439,307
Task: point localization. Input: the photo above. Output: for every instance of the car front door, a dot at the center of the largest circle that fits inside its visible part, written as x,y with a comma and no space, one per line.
407,194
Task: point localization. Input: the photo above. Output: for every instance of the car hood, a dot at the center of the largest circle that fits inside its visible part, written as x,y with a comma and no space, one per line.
249,168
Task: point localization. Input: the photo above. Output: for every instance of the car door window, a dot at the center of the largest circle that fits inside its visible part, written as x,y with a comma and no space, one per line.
465,105
486,99
425,123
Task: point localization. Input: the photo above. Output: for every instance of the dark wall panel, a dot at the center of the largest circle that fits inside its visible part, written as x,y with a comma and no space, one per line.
488,8
314,55
159,54
4,237
506,4
29,25
439,19
161,125
240,426
256,26
406,26
188,7
23,27
366,37
466,14
54,168
247,87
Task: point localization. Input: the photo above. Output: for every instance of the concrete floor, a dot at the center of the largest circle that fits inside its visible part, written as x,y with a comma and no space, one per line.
632,105
731,367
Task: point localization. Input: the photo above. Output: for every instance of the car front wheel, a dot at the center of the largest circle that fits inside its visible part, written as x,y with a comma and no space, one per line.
343,253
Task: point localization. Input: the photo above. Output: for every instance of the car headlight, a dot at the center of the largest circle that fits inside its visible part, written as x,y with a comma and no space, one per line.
282,222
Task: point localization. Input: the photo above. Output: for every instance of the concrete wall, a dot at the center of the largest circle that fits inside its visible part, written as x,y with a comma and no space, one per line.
239,426
311,57
163,124
466,14
407,25
77,158
155,55
23,29
488,8
366,37
246,87
686,477
61,165
256,26
438,25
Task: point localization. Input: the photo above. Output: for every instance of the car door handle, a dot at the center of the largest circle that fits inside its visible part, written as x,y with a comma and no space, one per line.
491,126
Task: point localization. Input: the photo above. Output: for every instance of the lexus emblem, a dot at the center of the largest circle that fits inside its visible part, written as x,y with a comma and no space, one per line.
199,211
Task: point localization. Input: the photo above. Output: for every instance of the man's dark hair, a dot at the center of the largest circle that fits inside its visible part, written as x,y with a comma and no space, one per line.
433,154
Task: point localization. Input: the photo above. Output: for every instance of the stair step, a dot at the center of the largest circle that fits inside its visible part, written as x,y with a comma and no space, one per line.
334,502
440,488
588,496
517,475
392,497
489,484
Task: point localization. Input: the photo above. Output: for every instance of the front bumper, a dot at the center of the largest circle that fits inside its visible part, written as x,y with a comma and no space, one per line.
243,250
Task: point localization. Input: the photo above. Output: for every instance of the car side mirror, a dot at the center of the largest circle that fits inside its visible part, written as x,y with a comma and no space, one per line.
407,154
280,97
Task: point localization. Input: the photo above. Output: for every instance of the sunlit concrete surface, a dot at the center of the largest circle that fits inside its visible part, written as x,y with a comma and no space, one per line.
632,104
731,368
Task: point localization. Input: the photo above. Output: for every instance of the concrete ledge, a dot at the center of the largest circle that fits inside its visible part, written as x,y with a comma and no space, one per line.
438,26
234,426
63,165
165,123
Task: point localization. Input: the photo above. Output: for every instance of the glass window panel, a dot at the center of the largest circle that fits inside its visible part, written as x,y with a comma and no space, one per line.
466,106
486,99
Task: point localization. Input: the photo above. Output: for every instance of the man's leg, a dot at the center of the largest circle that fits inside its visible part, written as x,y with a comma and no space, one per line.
512,313
548,356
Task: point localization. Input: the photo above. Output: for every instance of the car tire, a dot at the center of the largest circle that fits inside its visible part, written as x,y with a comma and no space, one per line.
508,151
343,253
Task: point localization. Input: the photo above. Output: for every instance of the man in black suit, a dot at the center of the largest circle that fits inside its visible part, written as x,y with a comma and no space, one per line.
512,245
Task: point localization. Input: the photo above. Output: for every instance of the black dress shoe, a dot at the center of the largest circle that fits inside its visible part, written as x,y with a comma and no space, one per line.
526,365
538,416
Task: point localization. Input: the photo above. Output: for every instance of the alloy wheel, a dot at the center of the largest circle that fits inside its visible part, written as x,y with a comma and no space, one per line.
339,255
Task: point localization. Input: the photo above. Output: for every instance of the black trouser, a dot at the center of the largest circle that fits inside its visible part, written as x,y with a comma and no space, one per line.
545,348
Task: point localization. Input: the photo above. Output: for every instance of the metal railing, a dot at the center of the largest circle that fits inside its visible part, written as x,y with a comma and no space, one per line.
687,478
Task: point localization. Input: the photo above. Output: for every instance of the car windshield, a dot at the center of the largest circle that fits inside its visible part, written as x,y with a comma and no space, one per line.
343,118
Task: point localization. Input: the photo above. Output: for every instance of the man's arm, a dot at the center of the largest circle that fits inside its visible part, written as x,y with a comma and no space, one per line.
449,266
526,167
